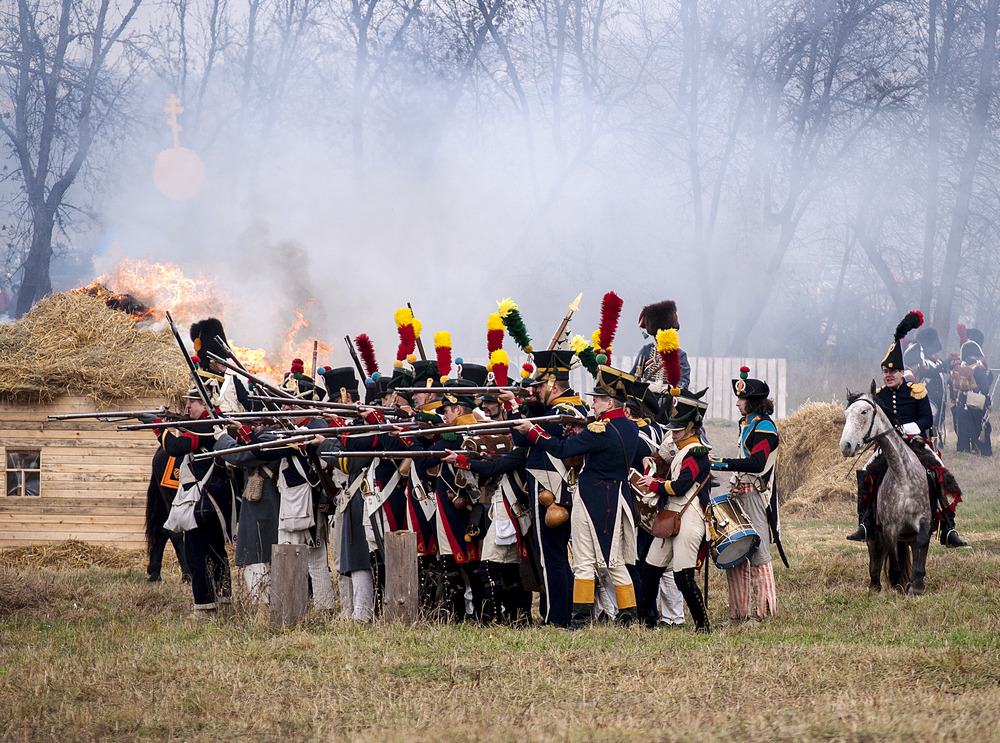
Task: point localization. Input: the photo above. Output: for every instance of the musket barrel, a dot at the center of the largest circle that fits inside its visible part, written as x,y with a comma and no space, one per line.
272,444
461,390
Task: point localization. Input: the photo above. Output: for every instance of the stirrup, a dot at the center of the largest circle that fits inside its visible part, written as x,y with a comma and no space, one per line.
859,535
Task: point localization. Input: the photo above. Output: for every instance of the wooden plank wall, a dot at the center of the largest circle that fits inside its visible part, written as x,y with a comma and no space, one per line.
714,373
93,477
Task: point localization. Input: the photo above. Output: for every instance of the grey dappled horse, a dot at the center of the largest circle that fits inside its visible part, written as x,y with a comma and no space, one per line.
903,506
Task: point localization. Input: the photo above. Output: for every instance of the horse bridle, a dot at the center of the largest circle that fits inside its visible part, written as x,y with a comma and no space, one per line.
868,438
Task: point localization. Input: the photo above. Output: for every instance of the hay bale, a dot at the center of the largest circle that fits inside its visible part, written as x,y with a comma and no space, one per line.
814,480
72,554
74,344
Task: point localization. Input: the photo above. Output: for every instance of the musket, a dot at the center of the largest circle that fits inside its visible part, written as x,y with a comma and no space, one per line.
354,355
462,390
573,307
199,384
415,454
200,423
112,415
323,405
315,354
428,430
243,372
420,343
271,444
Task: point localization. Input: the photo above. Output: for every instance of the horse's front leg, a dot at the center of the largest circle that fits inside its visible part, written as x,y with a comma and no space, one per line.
920,548
891,551
876,559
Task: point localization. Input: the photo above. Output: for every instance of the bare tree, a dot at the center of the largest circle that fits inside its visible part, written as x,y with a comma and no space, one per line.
63,74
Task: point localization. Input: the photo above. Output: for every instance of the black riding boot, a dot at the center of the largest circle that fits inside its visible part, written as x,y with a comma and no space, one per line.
626,617
949,536
866,521
454,589
648,591
694,599
492,581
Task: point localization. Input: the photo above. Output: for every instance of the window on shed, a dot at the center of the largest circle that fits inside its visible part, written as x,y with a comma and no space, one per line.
24,472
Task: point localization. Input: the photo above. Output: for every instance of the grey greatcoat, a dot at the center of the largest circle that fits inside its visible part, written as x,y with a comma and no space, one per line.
258,524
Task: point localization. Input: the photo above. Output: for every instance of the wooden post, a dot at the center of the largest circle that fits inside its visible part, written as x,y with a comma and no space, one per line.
289,583
401,595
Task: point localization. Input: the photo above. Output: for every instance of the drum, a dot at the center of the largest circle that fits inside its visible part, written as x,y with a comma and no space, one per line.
733,536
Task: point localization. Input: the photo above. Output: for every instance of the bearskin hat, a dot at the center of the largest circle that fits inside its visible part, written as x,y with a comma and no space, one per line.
659,316
203,335
929,341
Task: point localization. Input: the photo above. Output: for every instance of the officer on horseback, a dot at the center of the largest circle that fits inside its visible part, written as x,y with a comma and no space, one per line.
910,404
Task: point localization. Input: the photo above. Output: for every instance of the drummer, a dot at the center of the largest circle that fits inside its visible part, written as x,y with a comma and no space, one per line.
686,491
752,595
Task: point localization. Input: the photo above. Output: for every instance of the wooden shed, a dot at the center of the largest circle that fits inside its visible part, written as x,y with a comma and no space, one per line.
79,479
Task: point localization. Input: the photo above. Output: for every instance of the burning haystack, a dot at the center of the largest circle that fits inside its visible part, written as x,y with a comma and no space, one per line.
73,343
814,480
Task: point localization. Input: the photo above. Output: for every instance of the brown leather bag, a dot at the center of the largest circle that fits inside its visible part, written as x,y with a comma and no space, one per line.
668,523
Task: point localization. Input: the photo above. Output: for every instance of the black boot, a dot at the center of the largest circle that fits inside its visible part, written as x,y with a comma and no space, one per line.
492,581
453,599
865,515
648,591
949,536
626,617
581,615
694,599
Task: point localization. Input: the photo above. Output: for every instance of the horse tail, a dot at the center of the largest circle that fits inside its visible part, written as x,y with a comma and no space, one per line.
905,563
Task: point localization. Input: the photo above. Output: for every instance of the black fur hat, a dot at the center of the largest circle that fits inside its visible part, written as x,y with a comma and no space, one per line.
659,316
975,334
203,335
929,341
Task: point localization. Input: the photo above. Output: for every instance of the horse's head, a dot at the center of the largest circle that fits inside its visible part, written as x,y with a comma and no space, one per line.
862,421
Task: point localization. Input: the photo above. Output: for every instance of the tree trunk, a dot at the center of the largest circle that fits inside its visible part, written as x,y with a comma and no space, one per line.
967,177
36,282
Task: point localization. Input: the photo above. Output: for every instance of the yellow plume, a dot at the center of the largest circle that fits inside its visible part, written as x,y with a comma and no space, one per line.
499,357
595,339
505,306
667,340
494,321
578,343
442,338
404,316
417,327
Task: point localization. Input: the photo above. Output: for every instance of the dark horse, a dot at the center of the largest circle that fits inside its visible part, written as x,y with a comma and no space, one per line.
903,509
159,496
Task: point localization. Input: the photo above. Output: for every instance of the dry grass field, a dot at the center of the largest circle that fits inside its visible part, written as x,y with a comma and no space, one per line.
96,653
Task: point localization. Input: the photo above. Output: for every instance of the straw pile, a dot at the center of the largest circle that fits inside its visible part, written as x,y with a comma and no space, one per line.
74,344
814,480
71,554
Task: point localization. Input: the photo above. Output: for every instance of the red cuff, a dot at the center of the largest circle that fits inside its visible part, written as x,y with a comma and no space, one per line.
243,434
374,416
654,486
462,462
536,433
406,441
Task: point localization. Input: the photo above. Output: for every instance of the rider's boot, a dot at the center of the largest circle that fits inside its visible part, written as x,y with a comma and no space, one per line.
949,535
866,523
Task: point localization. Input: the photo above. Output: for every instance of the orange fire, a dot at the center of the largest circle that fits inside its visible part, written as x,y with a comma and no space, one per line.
157,288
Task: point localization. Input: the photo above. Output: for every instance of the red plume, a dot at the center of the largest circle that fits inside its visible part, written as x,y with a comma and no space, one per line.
962,335
611,310
407,341
367,352
672,367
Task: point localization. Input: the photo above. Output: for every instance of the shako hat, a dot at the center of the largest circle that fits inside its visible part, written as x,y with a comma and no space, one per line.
613,383
426,373
376,386
689,408
339,380
894,356
554,364
203,335
401,377
454,394
477,374
749,388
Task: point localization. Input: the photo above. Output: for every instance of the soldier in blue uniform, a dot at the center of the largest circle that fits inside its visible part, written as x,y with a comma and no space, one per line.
549,393
602,524
910,404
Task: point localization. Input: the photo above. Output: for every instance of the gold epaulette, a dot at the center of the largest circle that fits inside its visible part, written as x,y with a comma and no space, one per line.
597,427
918,391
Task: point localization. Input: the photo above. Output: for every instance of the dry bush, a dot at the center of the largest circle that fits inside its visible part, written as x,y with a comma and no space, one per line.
71,554
813,478
74,344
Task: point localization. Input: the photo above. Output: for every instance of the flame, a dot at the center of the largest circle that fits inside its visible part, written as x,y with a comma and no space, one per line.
148,290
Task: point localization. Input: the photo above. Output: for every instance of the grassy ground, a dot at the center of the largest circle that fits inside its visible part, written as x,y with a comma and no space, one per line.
97,653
